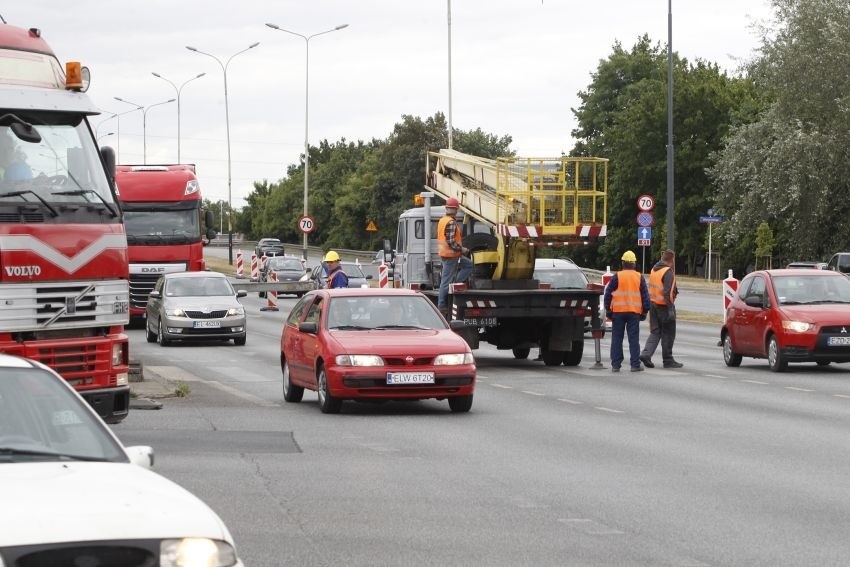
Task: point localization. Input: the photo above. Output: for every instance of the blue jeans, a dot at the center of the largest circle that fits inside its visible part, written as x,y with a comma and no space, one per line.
621,324
462,265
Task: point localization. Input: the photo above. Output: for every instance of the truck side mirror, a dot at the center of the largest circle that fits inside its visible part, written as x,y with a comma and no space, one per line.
108,156
209,220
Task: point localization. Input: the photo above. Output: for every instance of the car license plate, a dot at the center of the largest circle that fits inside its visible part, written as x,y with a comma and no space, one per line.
838,341
206,324
480,321
120,307
410,377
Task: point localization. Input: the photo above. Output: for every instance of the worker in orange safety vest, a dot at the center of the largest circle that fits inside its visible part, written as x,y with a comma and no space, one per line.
662,312
627,299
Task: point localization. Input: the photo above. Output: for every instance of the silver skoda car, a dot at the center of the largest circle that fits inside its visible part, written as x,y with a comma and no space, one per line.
195,306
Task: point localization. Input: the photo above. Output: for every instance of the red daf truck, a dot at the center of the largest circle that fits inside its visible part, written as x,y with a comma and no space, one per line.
164,220
63,253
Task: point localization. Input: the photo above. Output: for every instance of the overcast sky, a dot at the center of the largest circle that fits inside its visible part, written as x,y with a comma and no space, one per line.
517,66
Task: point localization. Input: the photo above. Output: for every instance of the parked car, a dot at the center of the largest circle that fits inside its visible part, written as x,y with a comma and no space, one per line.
840,262
285,268
269,247
195,306
356,277
375,344
798,315
559,273
72,494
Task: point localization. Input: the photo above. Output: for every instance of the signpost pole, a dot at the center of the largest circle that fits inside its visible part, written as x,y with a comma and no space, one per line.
709,250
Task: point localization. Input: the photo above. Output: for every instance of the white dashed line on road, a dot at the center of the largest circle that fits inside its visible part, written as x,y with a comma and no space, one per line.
609,410
841,396
574,402
798,389
530,393
756,382
502,386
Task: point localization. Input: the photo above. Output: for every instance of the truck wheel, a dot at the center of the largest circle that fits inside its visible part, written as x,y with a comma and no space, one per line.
552,357
480,241
521,353
460,404
573,357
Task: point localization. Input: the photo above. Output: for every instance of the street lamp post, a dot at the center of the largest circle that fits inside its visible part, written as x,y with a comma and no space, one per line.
306,39
227,127
118,127
145,128
449,19
99,138
178,91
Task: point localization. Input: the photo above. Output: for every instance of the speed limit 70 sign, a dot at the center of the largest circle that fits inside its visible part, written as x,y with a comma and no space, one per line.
306,224
646,202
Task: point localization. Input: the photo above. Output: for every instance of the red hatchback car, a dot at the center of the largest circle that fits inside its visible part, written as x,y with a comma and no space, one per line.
787,316
375,344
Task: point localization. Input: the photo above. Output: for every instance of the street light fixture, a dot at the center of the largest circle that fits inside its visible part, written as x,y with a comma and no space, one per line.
118,121
306,39
227,126
145,128
178,91
99,138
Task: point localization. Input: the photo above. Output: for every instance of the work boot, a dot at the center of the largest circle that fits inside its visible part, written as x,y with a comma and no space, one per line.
673,364
637,368
647,362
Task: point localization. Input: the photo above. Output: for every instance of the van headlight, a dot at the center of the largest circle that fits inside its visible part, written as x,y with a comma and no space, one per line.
196,552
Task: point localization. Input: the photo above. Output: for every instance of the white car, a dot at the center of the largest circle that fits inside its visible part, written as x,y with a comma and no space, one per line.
73,495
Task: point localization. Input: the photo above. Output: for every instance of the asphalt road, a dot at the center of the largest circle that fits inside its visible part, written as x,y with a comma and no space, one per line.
706,465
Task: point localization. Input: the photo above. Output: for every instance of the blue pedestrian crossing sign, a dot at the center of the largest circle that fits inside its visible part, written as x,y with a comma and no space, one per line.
644,233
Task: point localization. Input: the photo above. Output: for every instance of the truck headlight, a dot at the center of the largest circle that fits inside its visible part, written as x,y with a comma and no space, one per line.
118,354
196,552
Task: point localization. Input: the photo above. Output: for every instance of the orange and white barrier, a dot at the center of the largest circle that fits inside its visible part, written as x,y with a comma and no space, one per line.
730,289
271,296
263,261
606,278
383,275
255,269
239,266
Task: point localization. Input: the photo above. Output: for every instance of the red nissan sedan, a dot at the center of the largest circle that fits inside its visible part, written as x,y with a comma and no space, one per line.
792,315
375,344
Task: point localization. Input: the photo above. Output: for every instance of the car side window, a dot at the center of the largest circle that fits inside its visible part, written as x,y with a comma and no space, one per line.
844,263
756,289
298,310
314,313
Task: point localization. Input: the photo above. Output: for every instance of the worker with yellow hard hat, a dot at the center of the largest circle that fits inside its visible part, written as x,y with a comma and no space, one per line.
336,276
627,300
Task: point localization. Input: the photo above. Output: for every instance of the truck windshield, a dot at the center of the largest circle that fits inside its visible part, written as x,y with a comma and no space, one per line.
146,223
62,171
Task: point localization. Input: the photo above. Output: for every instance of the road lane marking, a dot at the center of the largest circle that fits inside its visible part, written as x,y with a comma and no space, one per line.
575,402
502,386
756,382
841,396
530,393
798,389
603,408
715,376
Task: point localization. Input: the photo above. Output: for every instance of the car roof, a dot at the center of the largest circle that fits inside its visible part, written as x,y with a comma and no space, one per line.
368,292
175,275
553,263
8,361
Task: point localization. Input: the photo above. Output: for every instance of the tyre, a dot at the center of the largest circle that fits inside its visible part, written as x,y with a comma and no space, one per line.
149,335
521,353
573,357
480,241
291,392
160,335
823,362
460,404
775,359
730,357
240,341
552,357
327,403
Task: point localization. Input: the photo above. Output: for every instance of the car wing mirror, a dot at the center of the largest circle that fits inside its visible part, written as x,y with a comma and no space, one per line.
308,327
155,294
241,293
457,324
755,301
140,455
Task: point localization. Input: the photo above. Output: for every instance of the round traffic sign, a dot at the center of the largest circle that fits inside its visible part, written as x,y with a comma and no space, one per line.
646,202
645,219
306,224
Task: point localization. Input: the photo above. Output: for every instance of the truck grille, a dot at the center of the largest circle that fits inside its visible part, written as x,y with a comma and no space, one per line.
85,365
51,306
141,286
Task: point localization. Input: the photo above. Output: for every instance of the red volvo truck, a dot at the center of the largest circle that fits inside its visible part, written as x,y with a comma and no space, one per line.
63,252
165,224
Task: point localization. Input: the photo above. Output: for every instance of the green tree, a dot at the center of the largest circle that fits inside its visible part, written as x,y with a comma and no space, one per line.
790,167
